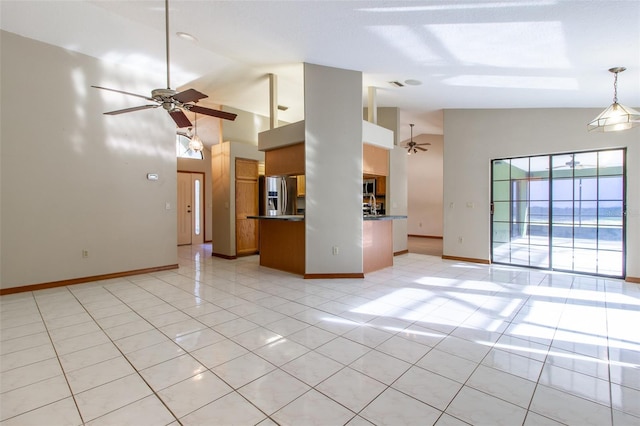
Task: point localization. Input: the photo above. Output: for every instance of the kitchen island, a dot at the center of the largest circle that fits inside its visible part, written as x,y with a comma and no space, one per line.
282,242
377,242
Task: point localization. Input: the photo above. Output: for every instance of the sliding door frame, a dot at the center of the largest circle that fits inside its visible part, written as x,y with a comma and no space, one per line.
527,225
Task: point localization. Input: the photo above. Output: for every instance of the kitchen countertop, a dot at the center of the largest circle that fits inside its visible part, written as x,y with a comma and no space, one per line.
300,217
383,217
289,217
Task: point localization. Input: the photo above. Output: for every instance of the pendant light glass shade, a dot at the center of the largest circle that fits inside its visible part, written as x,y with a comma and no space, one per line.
617,117
195,144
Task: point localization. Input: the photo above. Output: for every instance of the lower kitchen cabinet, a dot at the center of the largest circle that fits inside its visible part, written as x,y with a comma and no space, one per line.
282,245
377,245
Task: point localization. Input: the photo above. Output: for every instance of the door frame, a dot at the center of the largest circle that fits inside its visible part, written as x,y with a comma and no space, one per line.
202,204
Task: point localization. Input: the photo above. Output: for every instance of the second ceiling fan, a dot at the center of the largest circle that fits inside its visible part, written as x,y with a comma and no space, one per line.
174,102
413,147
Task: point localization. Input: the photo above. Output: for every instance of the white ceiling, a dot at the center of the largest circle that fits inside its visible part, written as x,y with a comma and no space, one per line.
466,53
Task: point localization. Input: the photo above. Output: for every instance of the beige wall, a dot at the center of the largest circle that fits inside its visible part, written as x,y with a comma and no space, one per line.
425,187
333,171
245,127
474,137
396,199
74,179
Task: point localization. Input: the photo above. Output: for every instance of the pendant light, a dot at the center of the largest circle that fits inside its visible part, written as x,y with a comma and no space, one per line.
195,143
617,117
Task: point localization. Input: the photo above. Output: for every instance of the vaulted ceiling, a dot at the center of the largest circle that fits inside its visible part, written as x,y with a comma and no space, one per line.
463,53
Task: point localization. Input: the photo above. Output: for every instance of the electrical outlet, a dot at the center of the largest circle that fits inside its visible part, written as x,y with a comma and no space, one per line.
85,253
335,250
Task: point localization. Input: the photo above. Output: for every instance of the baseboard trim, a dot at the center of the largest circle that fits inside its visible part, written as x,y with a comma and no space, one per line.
224,256
247,254
466,259
425,236
401,252
635,280
333,276
82,280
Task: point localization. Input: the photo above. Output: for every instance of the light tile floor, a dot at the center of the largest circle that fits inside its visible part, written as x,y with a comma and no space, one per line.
222,342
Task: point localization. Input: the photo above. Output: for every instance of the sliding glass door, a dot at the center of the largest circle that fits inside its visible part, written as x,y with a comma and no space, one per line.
563,212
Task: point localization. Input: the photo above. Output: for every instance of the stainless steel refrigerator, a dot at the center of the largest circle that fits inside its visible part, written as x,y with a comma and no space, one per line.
278,195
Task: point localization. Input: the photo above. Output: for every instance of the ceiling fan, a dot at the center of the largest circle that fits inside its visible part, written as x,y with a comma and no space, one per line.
575,164
413,147
175,103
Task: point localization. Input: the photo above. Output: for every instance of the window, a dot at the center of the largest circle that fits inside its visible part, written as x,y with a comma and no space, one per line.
183,150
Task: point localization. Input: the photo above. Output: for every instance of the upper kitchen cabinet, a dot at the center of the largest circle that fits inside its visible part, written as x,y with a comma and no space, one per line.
284,150
285,161
301,187
375,160
381,185
377,141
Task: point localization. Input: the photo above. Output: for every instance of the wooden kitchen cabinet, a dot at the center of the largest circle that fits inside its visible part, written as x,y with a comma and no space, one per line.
301,187
246,205
381,185
375,160
286,161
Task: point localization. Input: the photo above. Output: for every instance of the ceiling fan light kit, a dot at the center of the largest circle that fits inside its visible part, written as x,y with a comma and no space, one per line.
195,143
616,117
174,102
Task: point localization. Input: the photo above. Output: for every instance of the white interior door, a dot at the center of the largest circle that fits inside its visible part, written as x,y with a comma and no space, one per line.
190,208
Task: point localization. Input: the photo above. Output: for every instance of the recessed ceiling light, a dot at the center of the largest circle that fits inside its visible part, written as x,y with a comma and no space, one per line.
413,82
186,36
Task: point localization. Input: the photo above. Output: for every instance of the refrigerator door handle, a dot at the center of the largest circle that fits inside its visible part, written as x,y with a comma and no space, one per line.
285,199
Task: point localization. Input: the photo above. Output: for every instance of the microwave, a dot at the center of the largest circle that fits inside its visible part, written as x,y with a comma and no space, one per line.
369,187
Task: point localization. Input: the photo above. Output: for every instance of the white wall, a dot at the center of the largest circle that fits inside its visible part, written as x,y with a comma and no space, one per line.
333,150
397,197
474,137
74,179
425,188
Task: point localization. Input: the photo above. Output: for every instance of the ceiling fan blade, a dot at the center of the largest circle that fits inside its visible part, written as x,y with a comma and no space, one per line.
138,108
124,93
421,148
426,143
180,119
189,95
213,112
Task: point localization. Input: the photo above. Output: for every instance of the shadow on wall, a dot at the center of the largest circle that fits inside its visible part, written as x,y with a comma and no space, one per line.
84,197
